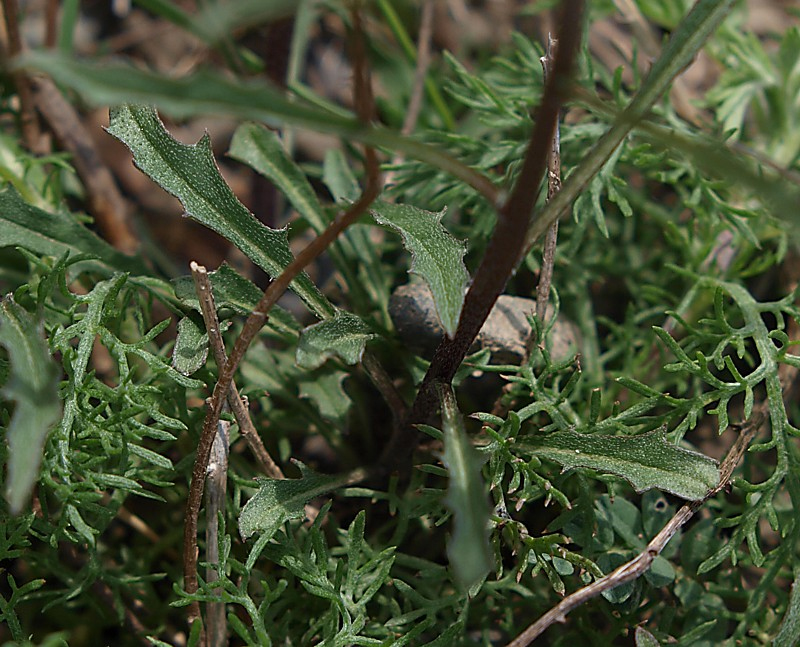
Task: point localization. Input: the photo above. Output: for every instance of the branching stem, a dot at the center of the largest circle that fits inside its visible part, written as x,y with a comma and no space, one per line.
507,243
257,318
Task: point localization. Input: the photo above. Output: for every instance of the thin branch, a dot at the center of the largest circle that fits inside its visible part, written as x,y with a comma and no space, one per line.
636,567
421,71
553,187
205,295
507,243
364,107
29,125
383,382
105,200
420,74
217,633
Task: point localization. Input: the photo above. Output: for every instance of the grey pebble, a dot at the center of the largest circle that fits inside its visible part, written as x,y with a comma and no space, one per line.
504,333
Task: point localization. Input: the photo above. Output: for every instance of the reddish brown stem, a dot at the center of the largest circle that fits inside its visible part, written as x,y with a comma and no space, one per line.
507,243
29,125
254,323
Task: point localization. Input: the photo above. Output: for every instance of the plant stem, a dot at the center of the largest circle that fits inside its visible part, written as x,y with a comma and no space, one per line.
206,298
553,187
257,318
507,243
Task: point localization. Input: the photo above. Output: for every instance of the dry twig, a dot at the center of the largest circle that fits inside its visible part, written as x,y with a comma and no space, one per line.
29,125
553,187
636,567
254,323
235,402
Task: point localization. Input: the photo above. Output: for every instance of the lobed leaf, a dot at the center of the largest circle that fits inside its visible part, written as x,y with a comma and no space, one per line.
646,461
277,501
436,256
33,385
191,175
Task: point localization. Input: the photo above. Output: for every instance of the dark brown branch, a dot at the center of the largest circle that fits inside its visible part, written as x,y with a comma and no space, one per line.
506,245
364,108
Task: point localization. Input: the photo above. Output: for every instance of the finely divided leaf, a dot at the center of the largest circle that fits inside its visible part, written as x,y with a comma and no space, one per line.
191,174
33,385
646,461
344,335
277,501
468,547
436,256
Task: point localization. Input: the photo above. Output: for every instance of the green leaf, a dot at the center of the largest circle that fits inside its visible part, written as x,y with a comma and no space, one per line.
262,150
661,573
191,347
49,234
325,390
33,385
468,548
345,335
207,92
644,638
277,501
232,290
216,20
338,177
686,40
436,256
789,633
191,174
646,461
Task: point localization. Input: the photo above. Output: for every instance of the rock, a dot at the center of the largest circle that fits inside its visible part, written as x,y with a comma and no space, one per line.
505,332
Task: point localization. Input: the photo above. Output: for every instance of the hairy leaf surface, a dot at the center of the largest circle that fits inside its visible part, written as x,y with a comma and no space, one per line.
191,175
646,461
436,256
345,335
33,385
278,501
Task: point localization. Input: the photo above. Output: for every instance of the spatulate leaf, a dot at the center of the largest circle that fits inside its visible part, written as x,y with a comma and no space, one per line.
646,461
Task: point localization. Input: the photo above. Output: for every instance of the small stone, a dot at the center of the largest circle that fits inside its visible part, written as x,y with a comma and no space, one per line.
505,332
